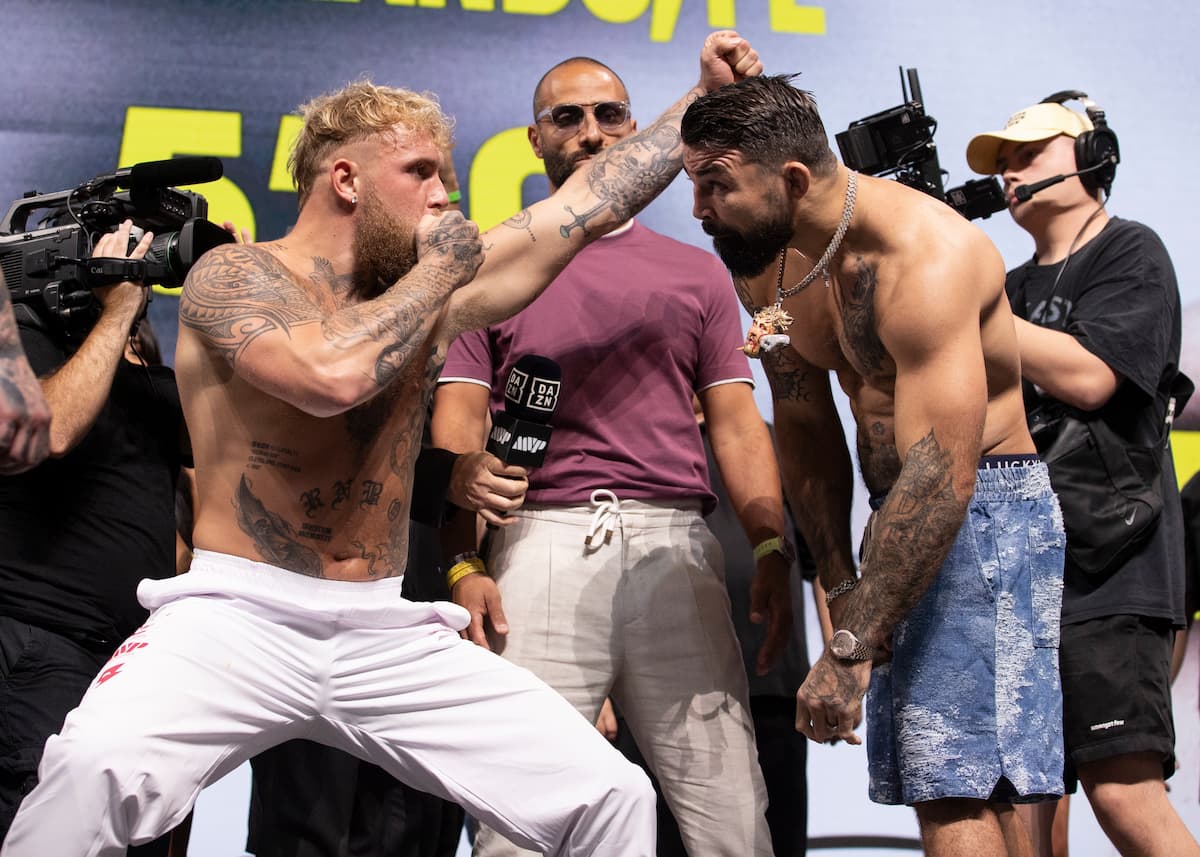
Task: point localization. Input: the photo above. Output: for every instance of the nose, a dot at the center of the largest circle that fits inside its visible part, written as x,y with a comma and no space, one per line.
589,130
438,197
700,207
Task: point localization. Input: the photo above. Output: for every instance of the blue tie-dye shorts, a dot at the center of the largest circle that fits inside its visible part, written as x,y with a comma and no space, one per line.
970,705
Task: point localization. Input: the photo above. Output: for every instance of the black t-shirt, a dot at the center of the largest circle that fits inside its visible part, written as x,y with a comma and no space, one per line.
77,533
1119,298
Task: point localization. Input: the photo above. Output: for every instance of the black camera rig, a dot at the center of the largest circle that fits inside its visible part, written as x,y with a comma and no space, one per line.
48,269
899,142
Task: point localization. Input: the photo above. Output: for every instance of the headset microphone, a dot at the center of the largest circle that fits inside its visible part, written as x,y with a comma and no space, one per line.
521,432
1024,191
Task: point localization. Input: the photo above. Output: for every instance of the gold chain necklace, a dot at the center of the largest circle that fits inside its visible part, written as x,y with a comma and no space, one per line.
768,329
822,266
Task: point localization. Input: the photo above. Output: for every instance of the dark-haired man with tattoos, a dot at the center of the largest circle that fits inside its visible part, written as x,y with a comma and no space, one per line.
24,414
957,603
304,367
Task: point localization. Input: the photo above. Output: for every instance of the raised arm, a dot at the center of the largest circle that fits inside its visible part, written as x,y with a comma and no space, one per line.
527,251
249,308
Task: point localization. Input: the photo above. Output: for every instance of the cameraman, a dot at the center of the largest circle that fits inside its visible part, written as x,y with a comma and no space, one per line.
80,530
24,415
1098,328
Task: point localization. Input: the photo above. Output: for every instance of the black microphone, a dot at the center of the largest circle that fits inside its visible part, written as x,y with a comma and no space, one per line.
1024,191
521,432
168,173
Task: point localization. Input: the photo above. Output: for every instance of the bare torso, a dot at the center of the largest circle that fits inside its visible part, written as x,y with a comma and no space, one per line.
836,328
321,496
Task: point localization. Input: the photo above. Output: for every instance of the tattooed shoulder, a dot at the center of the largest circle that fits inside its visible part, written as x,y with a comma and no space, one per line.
238,292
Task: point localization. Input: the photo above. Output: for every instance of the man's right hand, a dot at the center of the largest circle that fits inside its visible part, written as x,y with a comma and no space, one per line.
125,296
481,482
727,58
451,241
479,594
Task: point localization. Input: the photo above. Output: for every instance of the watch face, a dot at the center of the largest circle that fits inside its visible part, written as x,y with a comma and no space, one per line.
842,644
845,645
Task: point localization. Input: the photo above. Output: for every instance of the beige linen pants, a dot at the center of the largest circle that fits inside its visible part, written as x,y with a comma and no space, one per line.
641,614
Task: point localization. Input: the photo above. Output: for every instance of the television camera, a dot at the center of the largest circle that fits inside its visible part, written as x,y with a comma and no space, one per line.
47,268
899,142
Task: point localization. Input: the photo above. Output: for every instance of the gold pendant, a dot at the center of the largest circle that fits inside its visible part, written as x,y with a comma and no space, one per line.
767,330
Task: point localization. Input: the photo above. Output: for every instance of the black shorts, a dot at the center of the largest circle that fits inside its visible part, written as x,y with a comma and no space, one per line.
1116,681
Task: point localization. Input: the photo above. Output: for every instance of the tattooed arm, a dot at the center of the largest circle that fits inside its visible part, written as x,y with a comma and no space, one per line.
24,414
527,251
814,461
248,307
931,330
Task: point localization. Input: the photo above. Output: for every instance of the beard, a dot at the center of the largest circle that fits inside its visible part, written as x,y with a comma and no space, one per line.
747,254
559,166
384,248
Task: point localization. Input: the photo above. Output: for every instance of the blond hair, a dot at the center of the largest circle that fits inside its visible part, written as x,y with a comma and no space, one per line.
356,112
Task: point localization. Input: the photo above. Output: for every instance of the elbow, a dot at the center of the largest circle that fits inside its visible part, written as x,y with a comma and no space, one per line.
329,392
1089,394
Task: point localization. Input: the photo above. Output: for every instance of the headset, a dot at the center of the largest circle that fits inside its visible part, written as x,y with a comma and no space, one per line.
1096,152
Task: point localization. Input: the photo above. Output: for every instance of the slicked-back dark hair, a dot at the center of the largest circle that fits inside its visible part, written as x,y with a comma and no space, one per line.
766,119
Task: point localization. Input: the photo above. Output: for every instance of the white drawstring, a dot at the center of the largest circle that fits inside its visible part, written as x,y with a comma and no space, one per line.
606,517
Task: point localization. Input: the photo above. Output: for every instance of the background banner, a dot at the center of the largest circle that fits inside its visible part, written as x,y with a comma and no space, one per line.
95,84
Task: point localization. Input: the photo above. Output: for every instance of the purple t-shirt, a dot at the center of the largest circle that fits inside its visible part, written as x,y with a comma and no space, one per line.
637,321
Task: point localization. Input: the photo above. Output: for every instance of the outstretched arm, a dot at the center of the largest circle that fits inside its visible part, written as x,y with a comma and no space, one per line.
527,251
248,307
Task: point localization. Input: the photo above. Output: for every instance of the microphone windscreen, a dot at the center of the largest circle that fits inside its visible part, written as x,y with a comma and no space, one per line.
175,171
531,391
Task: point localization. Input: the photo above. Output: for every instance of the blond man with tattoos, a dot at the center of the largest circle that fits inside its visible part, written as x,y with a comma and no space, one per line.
953,621
304,366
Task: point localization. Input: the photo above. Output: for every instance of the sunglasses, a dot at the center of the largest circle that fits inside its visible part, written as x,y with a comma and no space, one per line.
610,115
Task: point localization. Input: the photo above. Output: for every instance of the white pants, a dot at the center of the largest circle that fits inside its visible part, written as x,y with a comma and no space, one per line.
238,656
641,614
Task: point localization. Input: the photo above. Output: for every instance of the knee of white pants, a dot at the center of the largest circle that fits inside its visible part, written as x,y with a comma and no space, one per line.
625,813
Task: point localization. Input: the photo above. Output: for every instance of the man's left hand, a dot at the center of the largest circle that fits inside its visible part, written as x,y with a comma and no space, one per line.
771,602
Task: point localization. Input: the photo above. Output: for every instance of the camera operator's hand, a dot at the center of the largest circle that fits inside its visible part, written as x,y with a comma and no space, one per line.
79,389
24,414
126,298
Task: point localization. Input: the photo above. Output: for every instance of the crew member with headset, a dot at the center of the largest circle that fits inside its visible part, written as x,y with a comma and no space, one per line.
1098,325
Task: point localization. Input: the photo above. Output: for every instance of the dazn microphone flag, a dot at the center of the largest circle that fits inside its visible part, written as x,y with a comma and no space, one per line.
521,432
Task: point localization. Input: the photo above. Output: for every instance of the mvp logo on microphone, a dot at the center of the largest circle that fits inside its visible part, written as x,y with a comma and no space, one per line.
529,444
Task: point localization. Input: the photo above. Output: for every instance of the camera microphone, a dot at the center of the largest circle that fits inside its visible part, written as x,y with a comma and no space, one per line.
192,169
521,432
1024,191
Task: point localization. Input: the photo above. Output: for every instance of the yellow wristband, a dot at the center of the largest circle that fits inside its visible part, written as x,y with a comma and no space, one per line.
459,570
765,547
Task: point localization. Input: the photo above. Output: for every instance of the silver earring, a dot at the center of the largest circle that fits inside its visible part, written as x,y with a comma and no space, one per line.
354,199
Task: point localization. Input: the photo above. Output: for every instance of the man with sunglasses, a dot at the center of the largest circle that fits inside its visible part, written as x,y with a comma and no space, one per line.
610,575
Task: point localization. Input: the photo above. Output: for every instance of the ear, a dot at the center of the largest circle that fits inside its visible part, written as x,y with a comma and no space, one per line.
798,178
345,179
535,140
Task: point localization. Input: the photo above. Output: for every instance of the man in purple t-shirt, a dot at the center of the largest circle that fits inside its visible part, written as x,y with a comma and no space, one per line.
612,579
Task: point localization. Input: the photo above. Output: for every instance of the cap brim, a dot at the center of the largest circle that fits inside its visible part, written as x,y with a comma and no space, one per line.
983,148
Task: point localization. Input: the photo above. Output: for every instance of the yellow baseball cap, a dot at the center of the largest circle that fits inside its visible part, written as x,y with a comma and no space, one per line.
1039,122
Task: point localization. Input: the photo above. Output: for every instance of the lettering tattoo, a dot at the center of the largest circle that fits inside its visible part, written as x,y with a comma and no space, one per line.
274,538
311,501
370,493
263,454
858,319
341,492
